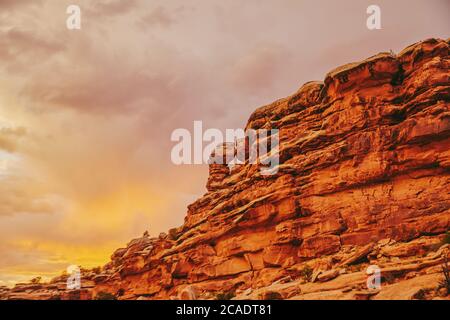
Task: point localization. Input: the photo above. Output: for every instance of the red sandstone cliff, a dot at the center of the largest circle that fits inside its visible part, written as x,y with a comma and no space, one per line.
363,179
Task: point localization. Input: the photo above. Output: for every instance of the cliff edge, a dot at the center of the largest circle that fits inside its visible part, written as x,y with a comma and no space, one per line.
364,179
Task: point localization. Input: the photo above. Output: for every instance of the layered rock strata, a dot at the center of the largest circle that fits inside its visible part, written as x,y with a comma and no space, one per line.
364,178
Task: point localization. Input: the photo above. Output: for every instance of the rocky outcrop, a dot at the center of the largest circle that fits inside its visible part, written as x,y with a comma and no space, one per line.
363,179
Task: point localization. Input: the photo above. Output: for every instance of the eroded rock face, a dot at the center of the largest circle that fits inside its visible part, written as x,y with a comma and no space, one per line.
364,157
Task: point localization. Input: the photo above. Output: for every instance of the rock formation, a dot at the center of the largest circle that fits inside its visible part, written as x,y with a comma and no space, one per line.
363,180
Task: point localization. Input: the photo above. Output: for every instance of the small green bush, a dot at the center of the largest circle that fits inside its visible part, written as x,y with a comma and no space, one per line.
420,295
36,280
446,239
225,295
306,273
445,282
173,234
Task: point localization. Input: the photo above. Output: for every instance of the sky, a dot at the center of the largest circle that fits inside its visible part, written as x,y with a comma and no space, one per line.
86,115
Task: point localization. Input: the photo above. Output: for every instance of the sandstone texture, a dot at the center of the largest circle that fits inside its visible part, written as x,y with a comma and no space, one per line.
364,179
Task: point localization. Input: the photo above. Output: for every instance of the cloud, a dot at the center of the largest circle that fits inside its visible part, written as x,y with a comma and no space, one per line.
9,138
159,17
112,7
21,49
19,195
259,68
106,89
14,4
15,43
21,262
